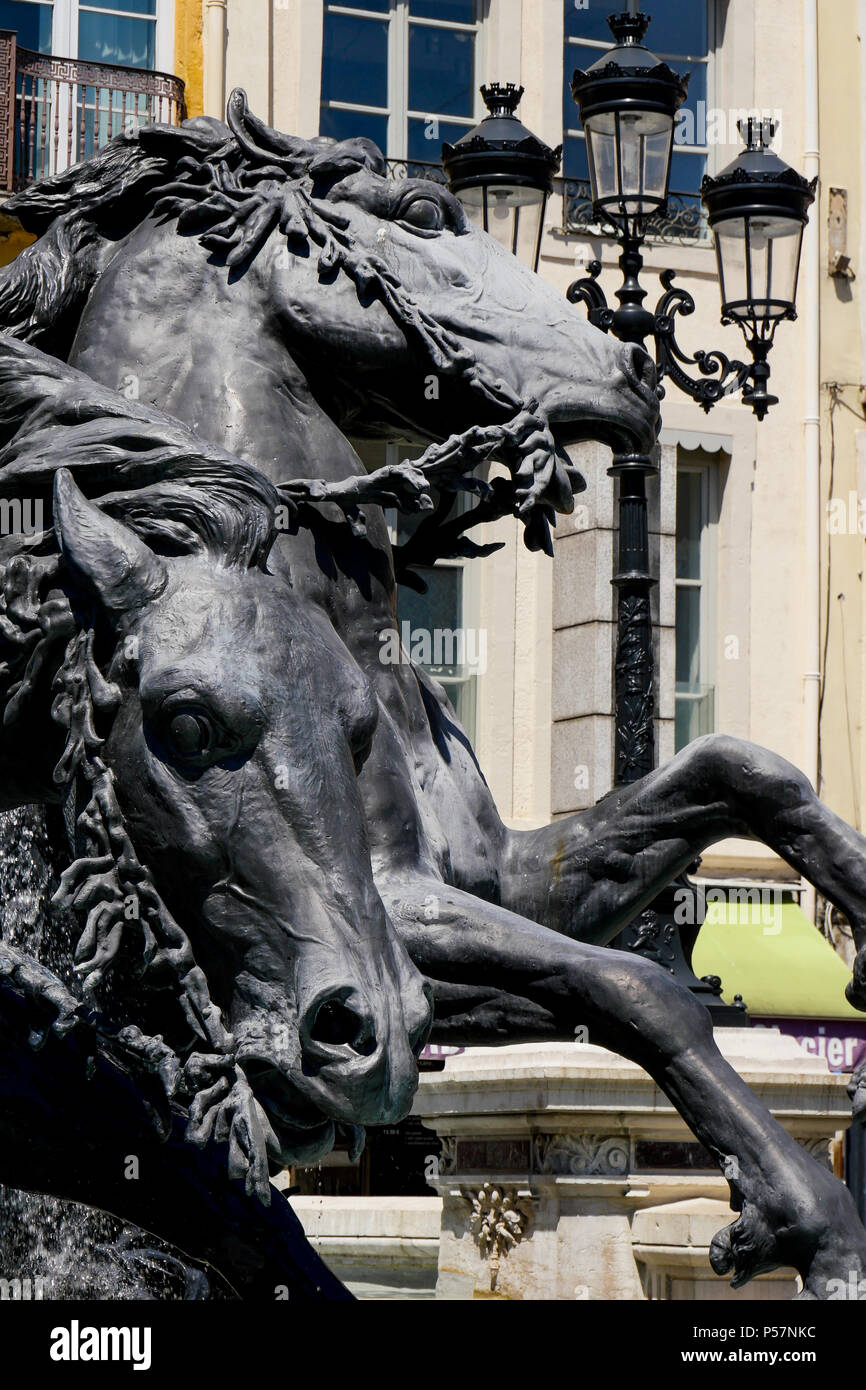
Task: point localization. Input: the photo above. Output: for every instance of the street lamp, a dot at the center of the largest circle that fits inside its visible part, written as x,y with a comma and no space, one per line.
503,174
757,209
628,101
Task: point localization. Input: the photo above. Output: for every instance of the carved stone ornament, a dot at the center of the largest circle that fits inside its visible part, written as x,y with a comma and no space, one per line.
498,1221
448,1155
581,1154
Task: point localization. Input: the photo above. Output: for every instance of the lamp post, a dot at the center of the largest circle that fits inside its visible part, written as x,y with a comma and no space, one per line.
503,174
757,209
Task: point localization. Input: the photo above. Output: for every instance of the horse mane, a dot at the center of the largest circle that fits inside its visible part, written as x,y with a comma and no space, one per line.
181,494
170,170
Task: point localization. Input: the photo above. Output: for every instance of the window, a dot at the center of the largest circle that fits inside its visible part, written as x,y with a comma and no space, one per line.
401,72
101,31
680,34
118,31
695,596
60,119
438,629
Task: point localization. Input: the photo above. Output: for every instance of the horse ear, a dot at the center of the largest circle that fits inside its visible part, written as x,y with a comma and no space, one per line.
110,559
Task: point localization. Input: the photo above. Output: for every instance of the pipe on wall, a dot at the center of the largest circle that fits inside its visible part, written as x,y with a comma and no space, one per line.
811,289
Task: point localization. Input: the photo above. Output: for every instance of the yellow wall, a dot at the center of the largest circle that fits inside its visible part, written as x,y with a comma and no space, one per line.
12,239
188,52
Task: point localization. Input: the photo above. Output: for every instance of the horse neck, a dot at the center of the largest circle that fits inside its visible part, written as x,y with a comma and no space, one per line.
165,326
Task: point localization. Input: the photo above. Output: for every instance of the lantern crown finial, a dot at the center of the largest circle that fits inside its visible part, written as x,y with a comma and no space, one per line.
757,132
628,27
502,98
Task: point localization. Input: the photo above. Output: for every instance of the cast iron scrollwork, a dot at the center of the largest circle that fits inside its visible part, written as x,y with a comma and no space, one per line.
589,292
720,375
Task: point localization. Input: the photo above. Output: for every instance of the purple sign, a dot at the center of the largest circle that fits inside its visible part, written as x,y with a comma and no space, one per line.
842,1043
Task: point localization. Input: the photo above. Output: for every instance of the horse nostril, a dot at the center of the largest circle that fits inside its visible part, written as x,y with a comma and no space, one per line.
337,1025
420,1021
643,366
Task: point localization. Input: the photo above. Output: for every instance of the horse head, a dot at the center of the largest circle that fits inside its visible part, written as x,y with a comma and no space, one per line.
426,325
217,724
398,316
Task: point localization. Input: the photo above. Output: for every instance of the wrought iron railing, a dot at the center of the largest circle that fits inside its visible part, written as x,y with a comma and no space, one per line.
683,224
415,169
57,111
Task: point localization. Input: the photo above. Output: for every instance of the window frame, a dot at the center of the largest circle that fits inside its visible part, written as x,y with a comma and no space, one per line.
575,132
64,28
398,113
470,594
707,582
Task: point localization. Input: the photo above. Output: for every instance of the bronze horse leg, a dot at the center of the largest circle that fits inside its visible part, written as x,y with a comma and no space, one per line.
792,1211
589,874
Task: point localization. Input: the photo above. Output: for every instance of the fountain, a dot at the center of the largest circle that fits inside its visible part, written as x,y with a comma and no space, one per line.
274,867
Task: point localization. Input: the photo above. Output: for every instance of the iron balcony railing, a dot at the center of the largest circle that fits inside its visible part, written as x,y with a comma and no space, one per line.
684,222
415,169
55,112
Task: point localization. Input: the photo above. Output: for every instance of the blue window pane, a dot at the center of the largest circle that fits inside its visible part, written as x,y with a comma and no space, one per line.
574,161
132,6
348,125
688,638
687,170
439,610
382,6
104,38
458,11
441,71
678,26
570,113
32,23
426,138
696,101
355,60
588,21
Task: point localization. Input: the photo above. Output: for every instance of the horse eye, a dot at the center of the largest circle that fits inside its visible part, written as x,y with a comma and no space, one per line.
190,733
423,213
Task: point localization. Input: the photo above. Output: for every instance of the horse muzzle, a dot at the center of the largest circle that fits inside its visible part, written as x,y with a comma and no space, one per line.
353,1059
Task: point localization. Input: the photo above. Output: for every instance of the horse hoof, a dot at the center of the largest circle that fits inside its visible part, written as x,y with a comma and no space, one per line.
747,1247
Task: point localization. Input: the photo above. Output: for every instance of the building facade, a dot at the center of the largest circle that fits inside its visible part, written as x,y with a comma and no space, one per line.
759,606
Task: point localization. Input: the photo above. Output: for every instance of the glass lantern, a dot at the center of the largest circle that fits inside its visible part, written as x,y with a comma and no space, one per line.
628,103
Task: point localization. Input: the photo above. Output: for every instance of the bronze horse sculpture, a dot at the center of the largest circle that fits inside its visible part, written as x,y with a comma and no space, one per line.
273,296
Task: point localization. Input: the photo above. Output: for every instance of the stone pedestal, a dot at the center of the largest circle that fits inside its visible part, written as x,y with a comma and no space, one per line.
381,1247
566,1173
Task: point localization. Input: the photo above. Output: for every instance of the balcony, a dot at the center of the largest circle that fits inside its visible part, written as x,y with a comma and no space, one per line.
683,223
55,112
